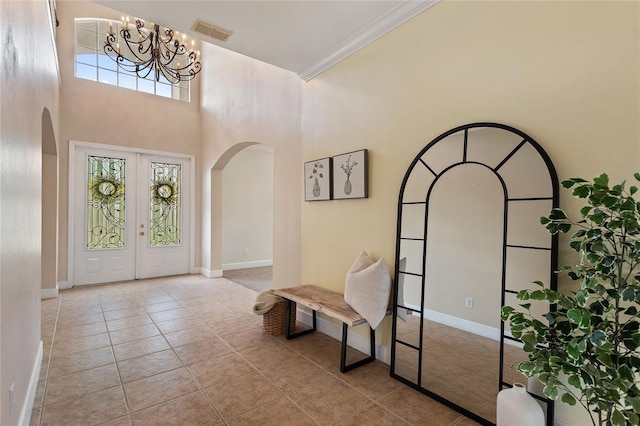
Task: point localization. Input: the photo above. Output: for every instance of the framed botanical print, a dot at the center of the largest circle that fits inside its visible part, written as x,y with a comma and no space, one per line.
317,180
350,175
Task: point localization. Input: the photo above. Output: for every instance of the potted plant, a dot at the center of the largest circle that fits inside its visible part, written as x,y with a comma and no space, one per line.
587,350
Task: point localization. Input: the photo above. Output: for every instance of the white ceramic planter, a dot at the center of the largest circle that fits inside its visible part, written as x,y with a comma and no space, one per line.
517,408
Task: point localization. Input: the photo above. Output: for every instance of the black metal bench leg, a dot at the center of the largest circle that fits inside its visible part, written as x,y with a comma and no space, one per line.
343,350
290,335
372,340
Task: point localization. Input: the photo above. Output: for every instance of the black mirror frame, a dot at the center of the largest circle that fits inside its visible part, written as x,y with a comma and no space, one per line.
553,253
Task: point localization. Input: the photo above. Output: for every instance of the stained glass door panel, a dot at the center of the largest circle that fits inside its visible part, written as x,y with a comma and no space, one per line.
103,223
164,242
164,204
105,202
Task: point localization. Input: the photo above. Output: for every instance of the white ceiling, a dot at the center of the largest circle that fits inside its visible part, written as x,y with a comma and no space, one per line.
304,36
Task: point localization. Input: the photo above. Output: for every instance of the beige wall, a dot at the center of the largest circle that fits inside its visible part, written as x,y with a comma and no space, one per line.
28,85
458,235
247,208
101,113
566,73
49,222
49,271
246,102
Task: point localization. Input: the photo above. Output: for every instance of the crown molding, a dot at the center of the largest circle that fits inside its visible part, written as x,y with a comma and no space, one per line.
406,10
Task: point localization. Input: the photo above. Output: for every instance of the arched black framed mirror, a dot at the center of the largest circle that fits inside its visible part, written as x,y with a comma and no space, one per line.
468,239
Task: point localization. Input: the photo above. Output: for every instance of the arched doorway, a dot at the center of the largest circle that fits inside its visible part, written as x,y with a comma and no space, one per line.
242,214
49,271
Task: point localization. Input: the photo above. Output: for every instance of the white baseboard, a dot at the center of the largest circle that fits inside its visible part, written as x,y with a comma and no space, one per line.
245,265
354,340
463,324
49,293
27,407
459,323
216,273
63,285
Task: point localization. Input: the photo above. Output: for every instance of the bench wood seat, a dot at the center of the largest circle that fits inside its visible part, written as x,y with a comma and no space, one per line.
322,300
332,304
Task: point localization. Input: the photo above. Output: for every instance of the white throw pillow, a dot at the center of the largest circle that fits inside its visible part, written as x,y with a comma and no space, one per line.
362,261
367,288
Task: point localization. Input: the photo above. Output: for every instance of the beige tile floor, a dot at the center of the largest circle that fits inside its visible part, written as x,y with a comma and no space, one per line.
189,351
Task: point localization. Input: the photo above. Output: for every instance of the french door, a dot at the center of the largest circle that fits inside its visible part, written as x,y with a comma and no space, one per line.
130,215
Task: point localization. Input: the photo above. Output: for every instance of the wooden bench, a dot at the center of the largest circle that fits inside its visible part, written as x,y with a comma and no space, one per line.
332,304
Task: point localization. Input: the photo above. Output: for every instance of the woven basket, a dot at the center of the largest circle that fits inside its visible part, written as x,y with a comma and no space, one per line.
275,321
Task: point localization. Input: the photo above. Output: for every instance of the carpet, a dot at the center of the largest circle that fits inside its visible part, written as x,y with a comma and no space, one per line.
256,279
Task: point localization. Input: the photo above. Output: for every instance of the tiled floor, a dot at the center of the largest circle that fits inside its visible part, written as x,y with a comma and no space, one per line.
189,351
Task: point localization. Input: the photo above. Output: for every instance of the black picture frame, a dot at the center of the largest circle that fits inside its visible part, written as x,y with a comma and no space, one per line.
317,180
351,175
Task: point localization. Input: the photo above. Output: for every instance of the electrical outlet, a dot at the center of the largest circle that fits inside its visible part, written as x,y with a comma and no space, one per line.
245,251
468,302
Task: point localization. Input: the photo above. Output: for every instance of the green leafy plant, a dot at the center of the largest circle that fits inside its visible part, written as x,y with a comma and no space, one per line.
591,337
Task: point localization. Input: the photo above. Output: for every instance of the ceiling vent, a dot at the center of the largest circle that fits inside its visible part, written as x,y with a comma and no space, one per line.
211,30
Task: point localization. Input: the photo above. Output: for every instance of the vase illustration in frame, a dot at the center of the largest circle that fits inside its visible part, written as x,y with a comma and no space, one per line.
317,180
350,175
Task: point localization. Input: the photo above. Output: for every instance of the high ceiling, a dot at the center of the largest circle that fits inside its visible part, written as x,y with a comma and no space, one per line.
305,37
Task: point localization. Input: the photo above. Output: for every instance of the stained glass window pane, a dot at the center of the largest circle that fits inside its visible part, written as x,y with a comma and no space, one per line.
105,203
165,206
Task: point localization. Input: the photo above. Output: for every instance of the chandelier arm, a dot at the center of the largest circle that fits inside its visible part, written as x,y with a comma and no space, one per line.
126,36
167,55
175,46
168,36
168,74
144,36
115,55
175,76
190,62
195,69
148,66
176,69
108,47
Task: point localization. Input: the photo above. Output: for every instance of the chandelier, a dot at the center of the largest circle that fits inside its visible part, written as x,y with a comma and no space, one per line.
160,51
